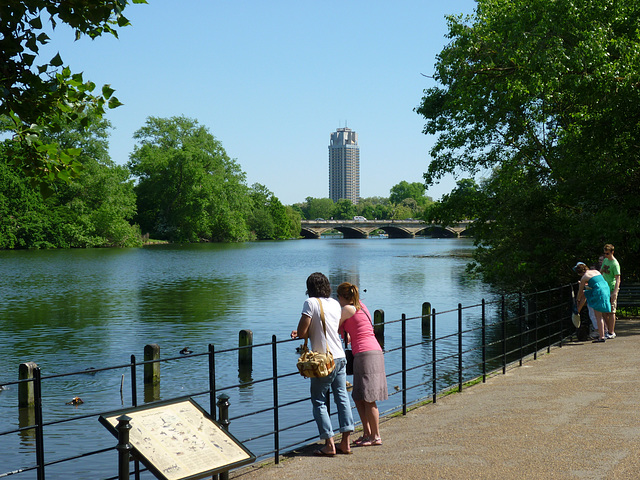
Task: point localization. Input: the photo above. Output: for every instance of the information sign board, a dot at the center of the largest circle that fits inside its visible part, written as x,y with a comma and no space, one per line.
178,440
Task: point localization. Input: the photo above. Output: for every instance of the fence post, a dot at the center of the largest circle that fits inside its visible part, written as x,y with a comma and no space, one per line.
134,403
245,352
134,387
459,347
378,326
521,322
223,415
212,381
152,369
151,373
484,342
504,335
548,321
404,364
426,319
123,447
26,388
434,358
276,412
37,393
535,323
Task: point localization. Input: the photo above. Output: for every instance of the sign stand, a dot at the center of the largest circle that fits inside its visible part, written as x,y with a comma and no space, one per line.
177,440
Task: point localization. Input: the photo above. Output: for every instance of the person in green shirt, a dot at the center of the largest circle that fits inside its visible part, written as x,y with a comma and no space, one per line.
611,272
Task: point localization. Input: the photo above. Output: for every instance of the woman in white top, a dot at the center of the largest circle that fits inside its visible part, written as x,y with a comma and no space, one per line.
310,326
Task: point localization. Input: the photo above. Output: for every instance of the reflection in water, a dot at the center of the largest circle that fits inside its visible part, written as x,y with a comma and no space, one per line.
151,392
26,418
245,376
188,300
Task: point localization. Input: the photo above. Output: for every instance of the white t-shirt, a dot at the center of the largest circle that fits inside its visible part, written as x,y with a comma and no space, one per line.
332,311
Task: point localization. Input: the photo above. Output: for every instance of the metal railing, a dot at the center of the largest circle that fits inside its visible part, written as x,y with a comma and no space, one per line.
425,356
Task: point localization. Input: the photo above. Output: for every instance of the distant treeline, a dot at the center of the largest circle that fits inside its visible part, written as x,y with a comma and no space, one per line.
179,185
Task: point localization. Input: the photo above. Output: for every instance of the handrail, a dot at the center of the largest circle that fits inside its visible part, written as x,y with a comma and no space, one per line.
488,337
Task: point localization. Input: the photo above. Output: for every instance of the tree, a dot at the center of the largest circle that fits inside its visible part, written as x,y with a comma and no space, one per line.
102,198
295,221
404,190
260,221
344,209
408,200
269,218
93,211
366,210
317,208
22,209
375,207
43,97
281,223
463,203
261,224
188,188
544,98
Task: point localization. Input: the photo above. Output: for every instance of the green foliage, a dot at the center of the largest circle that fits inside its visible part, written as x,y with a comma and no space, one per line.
314,208
43,96
371,208
408,200
261,224
295,221
93,211
269,219
281,223
343,209
376,207
544,97
404,190
188,188
463,203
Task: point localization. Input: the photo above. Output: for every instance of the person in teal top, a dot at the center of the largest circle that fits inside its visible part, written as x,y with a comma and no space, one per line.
611,272
594,291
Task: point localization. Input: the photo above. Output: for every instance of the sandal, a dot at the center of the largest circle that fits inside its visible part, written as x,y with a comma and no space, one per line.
371,442
360,441
322,453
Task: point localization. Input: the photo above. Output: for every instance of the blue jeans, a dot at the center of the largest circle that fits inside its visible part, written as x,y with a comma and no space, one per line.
319,398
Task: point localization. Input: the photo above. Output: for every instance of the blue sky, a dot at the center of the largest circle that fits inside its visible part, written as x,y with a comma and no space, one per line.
272,79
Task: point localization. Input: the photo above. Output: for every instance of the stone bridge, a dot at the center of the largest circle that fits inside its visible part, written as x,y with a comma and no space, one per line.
393,228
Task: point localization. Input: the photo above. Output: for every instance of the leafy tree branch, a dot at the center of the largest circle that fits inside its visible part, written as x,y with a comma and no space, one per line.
39,96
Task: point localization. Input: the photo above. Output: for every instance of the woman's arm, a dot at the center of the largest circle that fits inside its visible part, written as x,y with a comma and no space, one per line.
348,311
581,298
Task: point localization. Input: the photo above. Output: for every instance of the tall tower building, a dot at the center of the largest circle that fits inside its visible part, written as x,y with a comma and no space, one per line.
344,166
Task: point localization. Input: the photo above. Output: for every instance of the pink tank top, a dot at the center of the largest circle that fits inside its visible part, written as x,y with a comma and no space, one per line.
360,330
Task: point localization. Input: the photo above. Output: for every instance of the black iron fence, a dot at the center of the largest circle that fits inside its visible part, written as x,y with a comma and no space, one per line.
267,401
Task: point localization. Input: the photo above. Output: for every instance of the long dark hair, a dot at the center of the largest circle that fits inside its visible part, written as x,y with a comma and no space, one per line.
318,285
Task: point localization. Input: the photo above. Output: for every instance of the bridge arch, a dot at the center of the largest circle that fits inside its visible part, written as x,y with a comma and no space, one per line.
393,228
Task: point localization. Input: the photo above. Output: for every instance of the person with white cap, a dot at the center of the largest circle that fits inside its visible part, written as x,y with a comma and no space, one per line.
594,291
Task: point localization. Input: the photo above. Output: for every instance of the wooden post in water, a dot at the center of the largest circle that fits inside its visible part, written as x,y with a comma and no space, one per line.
426,319
378,326
245,352
152,370
26,396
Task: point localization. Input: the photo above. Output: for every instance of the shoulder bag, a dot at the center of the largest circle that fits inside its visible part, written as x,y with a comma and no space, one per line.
315,364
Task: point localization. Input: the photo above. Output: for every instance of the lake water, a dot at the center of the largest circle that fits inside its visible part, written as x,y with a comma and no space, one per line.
68,310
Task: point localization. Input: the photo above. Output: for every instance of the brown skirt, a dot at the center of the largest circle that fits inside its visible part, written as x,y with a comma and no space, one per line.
369,377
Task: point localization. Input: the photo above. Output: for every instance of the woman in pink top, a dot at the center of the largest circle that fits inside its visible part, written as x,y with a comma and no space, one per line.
369,377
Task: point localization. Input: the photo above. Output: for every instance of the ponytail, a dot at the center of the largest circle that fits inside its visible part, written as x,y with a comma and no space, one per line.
350,292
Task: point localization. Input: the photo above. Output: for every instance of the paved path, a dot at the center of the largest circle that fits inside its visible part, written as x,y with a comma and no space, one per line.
570,414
